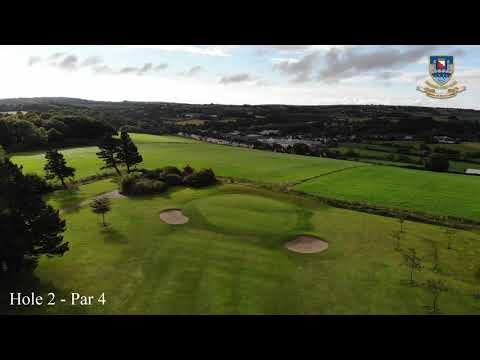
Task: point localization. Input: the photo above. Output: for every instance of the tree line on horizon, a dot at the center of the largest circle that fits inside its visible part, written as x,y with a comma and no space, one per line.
31,131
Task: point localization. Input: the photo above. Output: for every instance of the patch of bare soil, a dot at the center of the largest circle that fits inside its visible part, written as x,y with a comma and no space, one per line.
173,217
306,245
112,195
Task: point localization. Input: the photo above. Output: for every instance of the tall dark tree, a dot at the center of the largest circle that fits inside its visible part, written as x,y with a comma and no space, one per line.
128,154
56,167
109,151
29,227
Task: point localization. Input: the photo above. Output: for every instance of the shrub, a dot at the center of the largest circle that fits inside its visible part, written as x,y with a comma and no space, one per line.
136,184
437,163
188,170
128,182
201,178
167,170
351,153
146,187
155,174
173,179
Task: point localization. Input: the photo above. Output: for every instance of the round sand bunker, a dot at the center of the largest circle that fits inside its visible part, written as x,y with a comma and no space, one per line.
306,245
173,217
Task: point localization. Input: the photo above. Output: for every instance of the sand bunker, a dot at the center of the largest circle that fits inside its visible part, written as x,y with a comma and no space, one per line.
173,217
306,245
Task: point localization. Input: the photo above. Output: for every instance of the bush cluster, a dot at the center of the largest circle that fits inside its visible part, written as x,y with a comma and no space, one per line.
155,181
201,178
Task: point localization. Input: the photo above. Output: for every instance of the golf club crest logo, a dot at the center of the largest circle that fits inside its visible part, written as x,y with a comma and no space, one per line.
443,86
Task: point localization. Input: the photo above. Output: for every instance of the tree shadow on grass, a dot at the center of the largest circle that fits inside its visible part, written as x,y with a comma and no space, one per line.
68,200
112,236
408,283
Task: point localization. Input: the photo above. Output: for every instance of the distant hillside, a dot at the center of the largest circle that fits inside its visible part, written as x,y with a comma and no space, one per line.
53,103
330,121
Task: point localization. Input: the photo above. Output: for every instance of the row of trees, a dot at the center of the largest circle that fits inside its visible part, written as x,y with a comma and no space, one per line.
415,263
113,151
19,132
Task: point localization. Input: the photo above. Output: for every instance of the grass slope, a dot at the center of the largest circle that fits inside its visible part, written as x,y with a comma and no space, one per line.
438,193
230,259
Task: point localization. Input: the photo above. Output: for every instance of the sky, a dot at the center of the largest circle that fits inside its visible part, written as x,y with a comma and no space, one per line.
236,74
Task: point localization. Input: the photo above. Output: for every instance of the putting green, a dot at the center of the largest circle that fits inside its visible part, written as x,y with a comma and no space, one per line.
245,214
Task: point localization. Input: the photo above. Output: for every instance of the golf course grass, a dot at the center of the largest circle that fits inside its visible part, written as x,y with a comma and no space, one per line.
228,255
437,193
230,258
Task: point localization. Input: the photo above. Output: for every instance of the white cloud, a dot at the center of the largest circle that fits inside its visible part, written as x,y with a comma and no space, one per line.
211,50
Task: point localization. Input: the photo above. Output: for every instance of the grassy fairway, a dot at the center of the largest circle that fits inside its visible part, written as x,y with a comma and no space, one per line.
160,151
445,194
230,259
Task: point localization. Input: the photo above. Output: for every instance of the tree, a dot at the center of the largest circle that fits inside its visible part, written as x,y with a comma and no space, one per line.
413,262
435,257
29,227
396,237
436,287
109,151
128,153
101,205
437,163
401,220
450,233
56,167
54,136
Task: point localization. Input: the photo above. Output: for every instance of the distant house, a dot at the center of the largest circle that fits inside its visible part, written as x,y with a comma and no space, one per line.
472,171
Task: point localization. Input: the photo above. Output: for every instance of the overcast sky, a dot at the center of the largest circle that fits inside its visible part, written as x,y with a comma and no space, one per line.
246,74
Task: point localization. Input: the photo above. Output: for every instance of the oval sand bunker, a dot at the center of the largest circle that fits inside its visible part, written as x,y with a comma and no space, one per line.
173,217
306,245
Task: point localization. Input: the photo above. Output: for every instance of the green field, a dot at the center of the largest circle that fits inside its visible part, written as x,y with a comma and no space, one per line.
159,151
438,193
230,258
